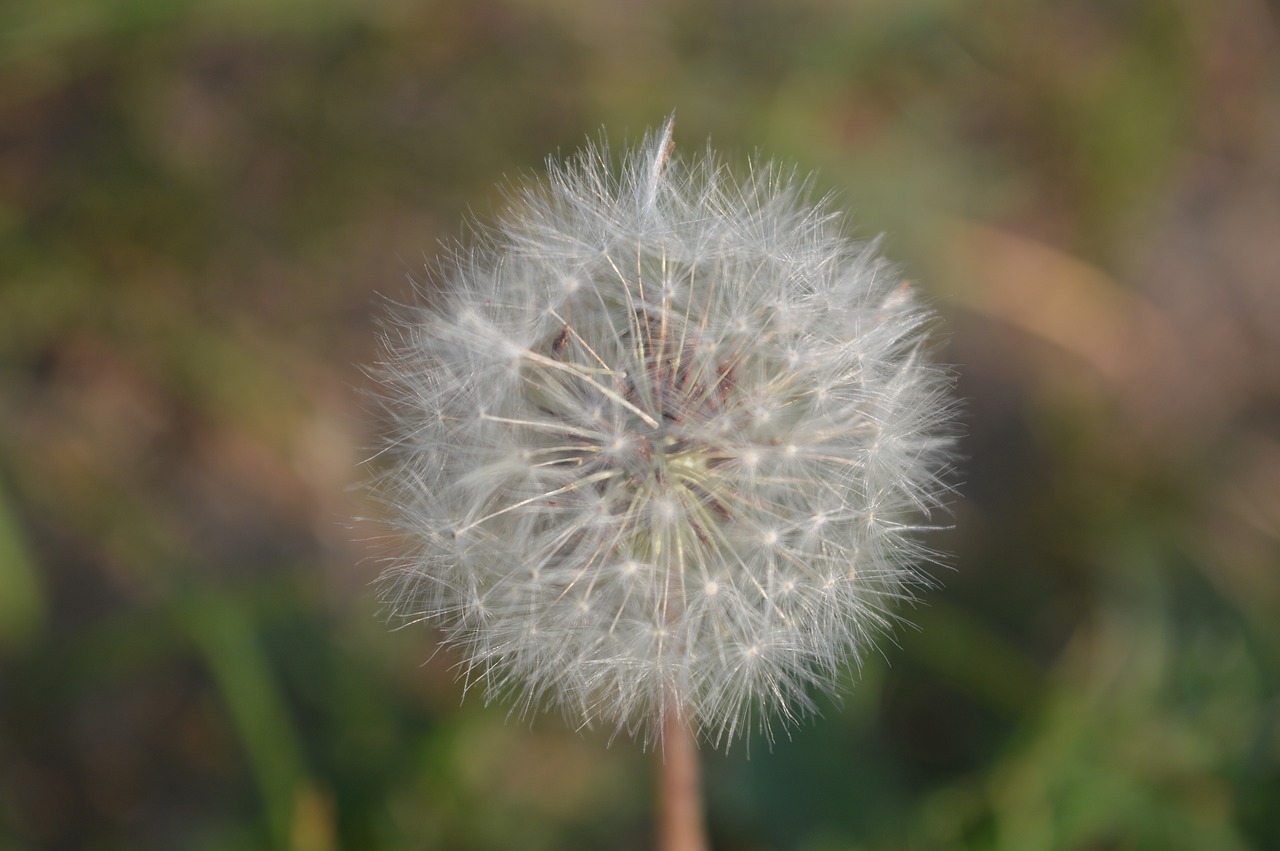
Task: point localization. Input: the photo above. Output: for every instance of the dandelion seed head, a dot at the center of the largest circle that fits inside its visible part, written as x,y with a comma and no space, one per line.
663,437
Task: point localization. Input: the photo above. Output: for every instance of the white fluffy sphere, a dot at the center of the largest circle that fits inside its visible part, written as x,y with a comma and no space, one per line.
664,441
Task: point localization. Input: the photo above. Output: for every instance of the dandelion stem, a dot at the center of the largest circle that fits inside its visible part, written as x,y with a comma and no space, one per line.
680,824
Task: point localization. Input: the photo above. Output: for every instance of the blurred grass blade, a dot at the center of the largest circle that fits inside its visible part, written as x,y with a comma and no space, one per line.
225,637
22,603
977,659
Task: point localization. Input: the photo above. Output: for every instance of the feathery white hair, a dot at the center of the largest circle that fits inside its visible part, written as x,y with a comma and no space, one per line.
664,442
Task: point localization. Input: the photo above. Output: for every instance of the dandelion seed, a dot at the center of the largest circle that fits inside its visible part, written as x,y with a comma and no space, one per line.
664,441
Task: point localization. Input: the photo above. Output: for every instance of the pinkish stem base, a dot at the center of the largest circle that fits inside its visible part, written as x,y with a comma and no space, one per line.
680,825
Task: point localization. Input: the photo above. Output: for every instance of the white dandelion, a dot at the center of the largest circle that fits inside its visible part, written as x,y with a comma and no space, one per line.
665,442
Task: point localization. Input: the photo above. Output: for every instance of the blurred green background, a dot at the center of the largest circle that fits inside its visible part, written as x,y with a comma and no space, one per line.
204,206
